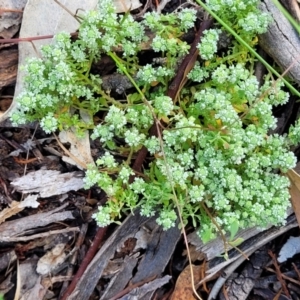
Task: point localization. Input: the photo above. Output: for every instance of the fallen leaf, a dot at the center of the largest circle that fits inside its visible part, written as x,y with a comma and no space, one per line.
80,150
183,289
15,207
11,17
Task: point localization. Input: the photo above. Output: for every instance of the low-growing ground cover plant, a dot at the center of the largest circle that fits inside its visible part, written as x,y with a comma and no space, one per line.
213,159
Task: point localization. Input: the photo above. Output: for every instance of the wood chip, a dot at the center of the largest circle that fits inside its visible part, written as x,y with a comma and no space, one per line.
49,182
12,229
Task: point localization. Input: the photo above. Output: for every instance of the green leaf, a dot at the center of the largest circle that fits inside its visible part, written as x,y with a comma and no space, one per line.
234,227
207,235
111,145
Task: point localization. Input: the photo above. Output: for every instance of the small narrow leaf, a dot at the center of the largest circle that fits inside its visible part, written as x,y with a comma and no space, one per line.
234,227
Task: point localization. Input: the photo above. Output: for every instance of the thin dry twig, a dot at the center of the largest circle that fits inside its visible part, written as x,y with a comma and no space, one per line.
4,10
74,257
87,259
297,271
285,276
279,274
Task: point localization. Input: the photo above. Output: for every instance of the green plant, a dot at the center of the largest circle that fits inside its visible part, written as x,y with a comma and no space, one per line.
213,158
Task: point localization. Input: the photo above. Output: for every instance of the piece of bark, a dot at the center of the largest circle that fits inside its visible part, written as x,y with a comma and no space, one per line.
145,292
28,275
15,228
158,252
121,279
215,247
240,284
42,235
48,182
92,274
281,41
268,294
7,259
249,246
8,67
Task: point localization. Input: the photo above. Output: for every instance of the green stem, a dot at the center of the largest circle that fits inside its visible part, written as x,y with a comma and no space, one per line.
251,50
129,157
90,65
123,69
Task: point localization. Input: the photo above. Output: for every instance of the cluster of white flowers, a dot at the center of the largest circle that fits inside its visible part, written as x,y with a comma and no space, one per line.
49,123
103,216
125,173
255,22
163,105
152,144
133,137
107,160
197,74
139,115
167,219
149,74
294,133
102,131
208,45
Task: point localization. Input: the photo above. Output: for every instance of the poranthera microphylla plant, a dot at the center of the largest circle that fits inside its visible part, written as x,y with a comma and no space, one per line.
215,151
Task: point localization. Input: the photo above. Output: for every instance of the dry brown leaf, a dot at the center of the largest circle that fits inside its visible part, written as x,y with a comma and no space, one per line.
295,192
80,150
10,211
15,207
183,289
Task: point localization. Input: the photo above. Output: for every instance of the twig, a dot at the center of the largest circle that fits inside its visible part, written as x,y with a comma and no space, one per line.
4,10
73,260
67,10
284,276
296,270
188,62
279,274
32,38
87,259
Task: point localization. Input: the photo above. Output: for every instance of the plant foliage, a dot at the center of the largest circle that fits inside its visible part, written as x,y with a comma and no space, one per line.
215,156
